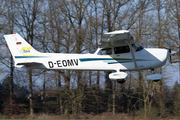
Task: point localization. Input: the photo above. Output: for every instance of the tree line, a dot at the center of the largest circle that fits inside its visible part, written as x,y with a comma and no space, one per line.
76,26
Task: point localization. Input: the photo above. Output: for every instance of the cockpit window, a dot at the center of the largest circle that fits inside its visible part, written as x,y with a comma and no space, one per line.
137,47
106,51
122,49
92,52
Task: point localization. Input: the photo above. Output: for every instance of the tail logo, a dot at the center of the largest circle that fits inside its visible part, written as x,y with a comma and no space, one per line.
25,49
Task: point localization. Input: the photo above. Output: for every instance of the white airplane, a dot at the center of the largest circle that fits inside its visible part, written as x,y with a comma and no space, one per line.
117,52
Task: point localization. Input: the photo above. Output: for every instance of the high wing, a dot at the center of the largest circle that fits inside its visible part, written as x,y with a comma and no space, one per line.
118,38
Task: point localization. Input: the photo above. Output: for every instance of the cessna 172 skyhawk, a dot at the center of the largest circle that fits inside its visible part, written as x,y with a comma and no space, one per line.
117,52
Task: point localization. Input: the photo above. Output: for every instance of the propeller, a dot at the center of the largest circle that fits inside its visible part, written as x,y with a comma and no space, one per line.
173,56
170,54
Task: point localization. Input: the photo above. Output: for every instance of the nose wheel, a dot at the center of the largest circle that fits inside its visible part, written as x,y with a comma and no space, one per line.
155,76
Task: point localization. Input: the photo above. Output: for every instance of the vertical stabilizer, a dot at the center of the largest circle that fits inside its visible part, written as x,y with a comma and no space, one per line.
18,46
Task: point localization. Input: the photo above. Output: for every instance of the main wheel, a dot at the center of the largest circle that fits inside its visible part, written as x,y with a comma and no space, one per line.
121,81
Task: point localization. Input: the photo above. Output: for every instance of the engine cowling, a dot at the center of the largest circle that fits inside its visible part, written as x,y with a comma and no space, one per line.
121,77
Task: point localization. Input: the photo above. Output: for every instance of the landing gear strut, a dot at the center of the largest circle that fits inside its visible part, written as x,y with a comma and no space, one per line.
153,71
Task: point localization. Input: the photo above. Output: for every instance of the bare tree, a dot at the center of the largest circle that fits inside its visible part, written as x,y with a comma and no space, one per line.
26,22
10,17
174,9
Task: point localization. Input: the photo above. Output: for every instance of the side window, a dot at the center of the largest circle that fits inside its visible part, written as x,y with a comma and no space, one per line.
123,49
106,51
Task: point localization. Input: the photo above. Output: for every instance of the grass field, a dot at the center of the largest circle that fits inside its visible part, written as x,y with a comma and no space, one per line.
107,115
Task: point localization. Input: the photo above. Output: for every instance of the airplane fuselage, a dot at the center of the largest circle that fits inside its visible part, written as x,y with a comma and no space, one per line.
145,59
118,52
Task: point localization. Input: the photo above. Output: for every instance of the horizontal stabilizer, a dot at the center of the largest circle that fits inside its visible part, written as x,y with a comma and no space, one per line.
31,64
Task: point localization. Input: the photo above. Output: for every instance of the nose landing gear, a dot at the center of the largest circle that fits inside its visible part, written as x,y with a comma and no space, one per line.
155,76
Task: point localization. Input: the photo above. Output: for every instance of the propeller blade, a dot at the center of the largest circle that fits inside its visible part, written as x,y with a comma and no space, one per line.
170,55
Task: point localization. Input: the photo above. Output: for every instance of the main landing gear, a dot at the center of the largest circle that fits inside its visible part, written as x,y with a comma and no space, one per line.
120,77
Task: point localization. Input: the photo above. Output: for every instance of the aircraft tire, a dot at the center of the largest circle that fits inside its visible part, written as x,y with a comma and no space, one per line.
120,81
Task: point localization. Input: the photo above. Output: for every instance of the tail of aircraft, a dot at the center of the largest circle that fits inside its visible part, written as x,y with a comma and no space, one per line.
19,47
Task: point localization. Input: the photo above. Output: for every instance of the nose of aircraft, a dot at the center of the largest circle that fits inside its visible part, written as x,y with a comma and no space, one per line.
158,57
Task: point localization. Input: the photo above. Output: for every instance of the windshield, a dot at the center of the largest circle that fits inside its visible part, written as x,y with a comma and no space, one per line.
137,47
105,51
92,52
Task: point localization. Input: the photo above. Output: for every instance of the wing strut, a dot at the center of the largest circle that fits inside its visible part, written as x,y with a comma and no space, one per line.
131,50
